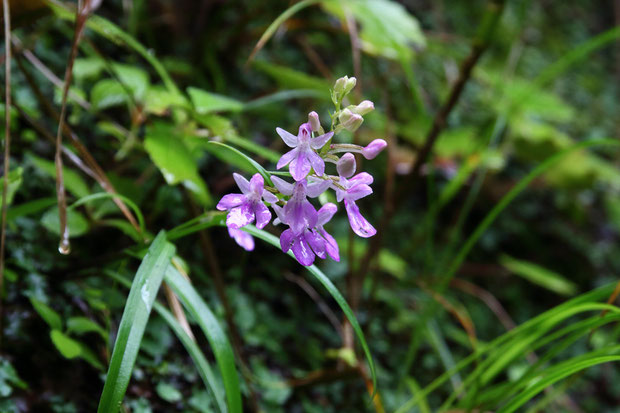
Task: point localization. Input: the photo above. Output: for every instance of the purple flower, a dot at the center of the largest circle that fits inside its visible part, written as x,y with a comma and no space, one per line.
356,188
326,213
303,157
245,240
312,242
374,148
247,206
305,245
298,213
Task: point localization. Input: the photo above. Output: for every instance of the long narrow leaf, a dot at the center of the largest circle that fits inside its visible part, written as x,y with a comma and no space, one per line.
202,365
331,288
220,345
135,316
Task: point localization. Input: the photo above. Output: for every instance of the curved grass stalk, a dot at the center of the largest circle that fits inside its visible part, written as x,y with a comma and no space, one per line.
135,316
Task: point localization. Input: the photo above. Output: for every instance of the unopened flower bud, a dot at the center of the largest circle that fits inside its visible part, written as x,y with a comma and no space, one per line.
351,82
363,108
346,165
313,120
340,84
374,148
349,120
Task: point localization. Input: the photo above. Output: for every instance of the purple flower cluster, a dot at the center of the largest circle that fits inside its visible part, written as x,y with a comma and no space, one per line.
306,236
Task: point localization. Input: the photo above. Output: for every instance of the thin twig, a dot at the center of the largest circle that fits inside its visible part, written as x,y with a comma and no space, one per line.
7,146
82,12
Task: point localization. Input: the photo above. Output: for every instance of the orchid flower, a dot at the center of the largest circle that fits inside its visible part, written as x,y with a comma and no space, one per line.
356,188
298,213
303,157
247,206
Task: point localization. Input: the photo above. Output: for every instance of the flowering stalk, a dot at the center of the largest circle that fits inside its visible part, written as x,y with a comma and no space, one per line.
306,235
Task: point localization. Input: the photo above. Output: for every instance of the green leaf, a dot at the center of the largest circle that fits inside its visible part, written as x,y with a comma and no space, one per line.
175,161
73,181
135,316
288,78
87,68
331,288
83,325
206,102
387,30
204,369
15,181
51,317
68,347
539,275
168,392
159,101
78,225
234,157
29,208
107,93
210,326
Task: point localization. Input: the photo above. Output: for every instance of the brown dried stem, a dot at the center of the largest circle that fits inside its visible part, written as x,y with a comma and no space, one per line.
7,145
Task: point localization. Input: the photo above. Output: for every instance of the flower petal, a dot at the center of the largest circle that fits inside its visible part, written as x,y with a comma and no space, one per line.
300,166
320,141
245,240
230,201
257,184
331,246
286,240
361,178
302,251
359,224
358,191
263,216
279,214
317,163
288,138
326,213
269,197
284,187
286,158
317,188
316,242
299,215
240,216
242,183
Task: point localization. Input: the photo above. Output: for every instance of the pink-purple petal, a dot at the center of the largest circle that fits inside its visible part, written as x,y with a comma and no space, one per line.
358,191
263,216
331,246
359,224
281,185
242,238
317,243
361,178
302,251
230,201
287,157
242,183
320,141
240,216
288,138
326,213
317,163
257,184
317,188
286,240
300,166
269,197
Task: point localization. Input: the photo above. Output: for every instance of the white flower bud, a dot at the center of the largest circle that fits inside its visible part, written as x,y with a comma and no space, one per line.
313,120
364,107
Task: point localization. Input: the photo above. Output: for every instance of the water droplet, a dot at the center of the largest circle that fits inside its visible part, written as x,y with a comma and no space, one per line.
146,295
64,247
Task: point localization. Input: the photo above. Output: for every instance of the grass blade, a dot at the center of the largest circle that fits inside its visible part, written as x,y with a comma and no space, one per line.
135,316
220,345
331,288
202,365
